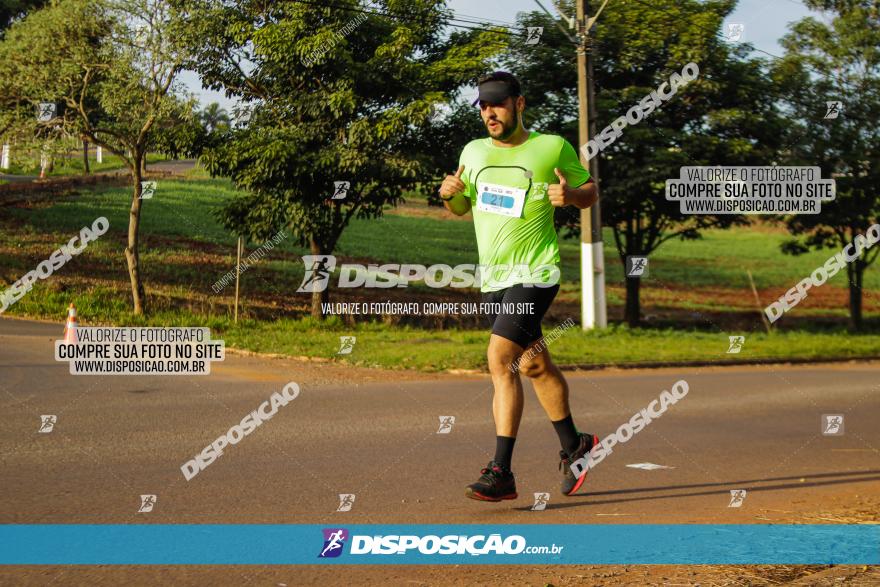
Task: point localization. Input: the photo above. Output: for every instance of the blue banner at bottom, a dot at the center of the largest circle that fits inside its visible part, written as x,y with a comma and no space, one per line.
244,544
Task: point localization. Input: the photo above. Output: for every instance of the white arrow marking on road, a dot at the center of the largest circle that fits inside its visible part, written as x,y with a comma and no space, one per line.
648,466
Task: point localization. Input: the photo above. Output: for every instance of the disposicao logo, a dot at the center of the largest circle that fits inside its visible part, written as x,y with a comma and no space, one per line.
334,540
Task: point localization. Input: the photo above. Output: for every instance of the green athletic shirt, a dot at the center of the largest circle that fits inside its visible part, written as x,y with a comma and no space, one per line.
530,237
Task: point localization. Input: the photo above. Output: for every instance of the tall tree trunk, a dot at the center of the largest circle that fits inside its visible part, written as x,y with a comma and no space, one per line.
632,310
86,169
319,297
131,251
856,272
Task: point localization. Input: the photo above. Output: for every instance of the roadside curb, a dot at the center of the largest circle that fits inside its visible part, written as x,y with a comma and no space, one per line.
728,363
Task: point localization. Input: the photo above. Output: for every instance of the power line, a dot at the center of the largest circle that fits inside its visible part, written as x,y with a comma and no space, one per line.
497,28
399,17
481,20
720,36
818,72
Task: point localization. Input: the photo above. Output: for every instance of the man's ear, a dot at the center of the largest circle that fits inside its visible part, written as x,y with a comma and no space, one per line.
520,104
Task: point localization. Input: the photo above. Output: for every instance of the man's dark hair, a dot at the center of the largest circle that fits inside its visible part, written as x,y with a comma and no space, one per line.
502,76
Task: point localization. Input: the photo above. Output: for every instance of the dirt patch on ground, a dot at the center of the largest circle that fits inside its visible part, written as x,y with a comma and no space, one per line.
458,575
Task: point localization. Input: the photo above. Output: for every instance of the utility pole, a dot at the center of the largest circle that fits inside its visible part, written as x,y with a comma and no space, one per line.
593,310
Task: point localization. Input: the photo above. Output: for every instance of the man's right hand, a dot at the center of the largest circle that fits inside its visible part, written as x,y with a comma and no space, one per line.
452,184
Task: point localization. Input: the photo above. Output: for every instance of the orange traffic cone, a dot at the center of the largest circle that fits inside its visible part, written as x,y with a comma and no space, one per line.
70,326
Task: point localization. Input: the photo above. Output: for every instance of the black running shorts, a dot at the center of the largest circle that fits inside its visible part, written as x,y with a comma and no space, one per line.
519,325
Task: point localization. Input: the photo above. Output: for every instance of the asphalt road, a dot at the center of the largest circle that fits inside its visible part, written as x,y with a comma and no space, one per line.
374,434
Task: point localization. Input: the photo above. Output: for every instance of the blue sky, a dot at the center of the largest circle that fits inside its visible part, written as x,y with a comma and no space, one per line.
765,22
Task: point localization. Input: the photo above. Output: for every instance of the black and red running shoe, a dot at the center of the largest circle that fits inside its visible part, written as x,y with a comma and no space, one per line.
495,483
570,484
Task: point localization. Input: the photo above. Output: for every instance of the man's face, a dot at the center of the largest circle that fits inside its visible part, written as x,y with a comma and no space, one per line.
500,119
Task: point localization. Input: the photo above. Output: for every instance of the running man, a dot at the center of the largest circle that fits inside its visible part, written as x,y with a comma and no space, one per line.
319,272
512,181
334,542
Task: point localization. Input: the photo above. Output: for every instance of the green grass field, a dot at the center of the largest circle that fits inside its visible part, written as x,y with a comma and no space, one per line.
73,164
378,345
185,209
185,250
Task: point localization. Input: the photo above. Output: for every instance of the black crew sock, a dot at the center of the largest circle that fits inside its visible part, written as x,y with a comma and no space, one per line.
504,450
568,434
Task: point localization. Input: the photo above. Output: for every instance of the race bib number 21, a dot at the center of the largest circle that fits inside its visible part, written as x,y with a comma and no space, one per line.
500,199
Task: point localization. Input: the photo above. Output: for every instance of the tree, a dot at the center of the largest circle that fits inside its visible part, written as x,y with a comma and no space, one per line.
214,118
837,60
182,134
438,145
10,11
724,117
13,9
548,71
336,93
110,65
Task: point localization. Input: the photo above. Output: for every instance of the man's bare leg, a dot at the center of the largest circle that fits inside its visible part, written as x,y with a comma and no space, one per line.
497,481
507,403
552,391
550,385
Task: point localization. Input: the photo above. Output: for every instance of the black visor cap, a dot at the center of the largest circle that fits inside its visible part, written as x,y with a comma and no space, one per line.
494,92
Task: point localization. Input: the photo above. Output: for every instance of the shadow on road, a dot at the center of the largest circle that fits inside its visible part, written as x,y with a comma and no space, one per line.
588,499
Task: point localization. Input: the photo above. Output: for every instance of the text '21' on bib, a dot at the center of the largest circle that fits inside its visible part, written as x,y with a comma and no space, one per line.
500,199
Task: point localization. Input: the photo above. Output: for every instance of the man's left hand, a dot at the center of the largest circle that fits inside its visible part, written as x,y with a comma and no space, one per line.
558,192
